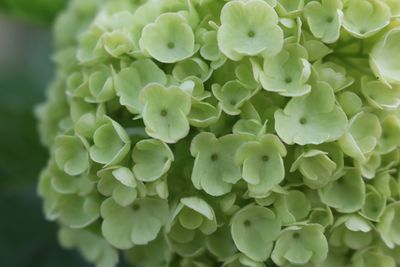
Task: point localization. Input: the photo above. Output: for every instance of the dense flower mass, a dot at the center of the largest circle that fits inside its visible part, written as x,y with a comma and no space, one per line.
243,133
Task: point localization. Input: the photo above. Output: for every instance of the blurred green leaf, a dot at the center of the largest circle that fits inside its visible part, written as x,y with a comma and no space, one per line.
43,11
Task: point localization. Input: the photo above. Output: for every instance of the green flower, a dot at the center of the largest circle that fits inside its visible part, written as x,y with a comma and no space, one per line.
248,29
370,258
369,168
214,169
246,74
118,183
254,229
380,95
232,95
220,243
100,85
209,49
362,135
316,49
111,143
385,184
152,159
78,211
89,52
137,224
169,39
154,254
389,225
346,194
189,132
184,242
322,216
203,114
389,140
311,119
383,60
130,81
374,205
289,8
351,231
192,67
350,102
71,154
302,244
292,207
262,164
63,183
253,128
394,7
240,260
333,74
363,18
93,247
325,19
165,112
194,86
117,43
287,73
194,213
316,167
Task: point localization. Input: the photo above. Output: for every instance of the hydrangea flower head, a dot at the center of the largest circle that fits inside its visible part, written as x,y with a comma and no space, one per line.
234,133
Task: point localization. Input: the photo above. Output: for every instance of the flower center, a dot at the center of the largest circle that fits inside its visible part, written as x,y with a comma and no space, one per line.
340,181
251,34
329,19
303,121
265,158
214,157
296,235
247,223
288,80
170,45
163,113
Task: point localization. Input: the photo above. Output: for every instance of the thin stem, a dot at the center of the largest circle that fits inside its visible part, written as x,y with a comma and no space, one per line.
136,131
352,55
361,50
344,44
356,67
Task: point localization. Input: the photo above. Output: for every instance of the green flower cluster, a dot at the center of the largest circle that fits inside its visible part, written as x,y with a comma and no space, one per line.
244,133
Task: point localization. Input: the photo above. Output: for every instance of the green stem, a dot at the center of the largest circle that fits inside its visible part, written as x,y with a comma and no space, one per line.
344,44
352,55
354,66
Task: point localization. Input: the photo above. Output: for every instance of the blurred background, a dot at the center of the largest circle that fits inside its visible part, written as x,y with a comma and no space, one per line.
26,238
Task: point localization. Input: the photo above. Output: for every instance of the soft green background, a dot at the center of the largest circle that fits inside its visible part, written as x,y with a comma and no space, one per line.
26,239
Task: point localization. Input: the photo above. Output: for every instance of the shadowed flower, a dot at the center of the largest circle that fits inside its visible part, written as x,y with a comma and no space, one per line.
152,159
302,244
137,224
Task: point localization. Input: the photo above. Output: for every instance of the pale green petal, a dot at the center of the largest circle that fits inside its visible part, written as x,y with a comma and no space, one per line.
248,29
165,112
253,230
152,159
169,39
